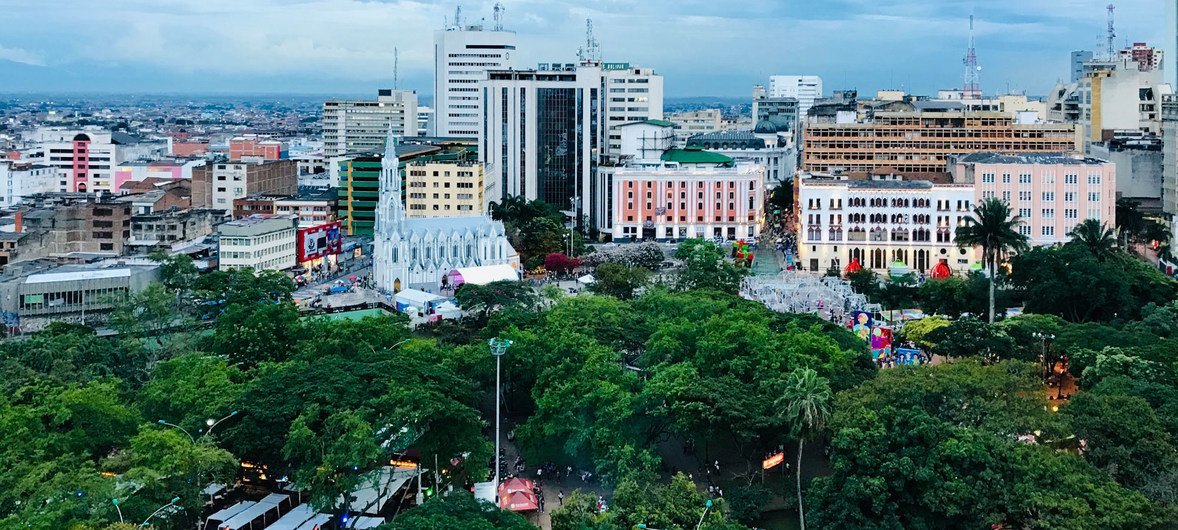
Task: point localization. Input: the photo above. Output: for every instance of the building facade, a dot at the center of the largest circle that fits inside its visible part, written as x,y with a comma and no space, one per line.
251,146
38,293
780,161
462,57
882,222
542,133
804,88
670,201
1051,193
920,142
258,243
360,126
86,158
19,179
633,94
218,184
171,229
1078,59
691,123
444,188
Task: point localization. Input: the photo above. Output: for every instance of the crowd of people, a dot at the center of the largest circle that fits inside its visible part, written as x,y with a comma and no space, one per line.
826,296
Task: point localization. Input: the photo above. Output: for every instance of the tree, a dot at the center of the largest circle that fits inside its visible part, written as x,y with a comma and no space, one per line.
578,511
559,263
806,403
177,273
918,331
1092,235
996,229
191,389
967,337
865,282
706,267
618,281
503,294
251,333
458,510
1124,437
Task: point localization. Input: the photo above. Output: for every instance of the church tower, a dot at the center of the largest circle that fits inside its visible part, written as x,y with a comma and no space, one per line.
388,270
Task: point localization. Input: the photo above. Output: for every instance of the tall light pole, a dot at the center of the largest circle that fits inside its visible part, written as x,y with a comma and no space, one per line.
1044,338
707,506
498,348
161,508
212,424
181,429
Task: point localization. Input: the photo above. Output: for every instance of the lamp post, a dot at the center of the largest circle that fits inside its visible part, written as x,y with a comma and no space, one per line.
211,423
498,349
1044,338
120,510
181,429
707,506
160,509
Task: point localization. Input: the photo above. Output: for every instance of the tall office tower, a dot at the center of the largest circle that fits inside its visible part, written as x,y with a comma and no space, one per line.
1078,60
361,126
804,88
1172,30
462,56
632,94
541,134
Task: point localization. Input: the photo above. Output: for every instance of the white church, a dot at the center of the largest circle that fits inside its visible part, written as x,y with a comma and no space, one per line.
418,253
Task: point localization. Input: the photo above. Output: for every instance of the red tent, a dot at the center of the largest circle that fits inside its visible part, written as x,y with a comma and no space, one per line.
940,271
518,502
853,266
516,484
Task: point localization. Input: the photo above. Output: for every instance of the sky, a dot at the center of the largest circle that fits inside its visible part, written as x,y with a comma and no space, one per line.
701,47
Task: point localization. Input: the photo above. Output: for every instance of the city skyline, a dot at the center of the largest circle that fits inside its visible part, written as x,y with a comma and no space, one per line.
701,48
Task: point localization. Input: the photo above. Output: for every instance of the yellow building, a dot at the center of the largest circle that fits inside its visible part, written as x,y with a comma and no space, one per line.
444,188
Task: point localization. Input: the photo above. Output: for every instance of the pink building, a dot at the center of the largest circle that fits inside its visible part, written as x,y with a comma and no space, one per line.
680,200
1052,193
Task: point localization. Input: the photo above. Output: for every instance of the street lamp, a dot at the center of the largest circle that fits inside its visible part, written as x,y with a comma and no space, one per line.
214,423
181,429
498,349
161,508
707,506
1044,338
120,510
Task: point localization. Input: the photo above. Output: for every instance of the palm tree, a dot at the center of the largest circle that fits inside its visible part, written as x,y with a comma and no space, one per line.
806,400
994,228
1100,241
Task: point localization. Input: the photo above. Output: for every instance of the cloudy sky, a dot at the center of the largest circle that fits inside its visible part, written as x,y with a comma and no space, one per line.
702,47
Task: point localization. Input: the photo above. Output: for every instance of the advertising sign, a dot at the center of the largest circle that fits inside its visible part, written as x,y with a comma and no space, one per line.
319,241
773,461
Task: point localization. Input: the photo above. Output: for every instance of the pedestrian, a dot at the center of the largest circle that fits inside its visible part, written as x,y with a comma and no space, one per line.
560,497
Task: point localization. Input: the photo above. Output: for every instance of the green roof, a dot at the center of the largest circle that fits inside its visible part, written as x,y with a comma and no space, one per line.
656,123
695,155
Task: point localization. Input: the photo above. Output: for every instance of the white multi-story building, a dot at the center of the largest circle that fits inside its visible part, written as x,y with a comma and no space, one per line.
19,179
542,133
881,222
632,94
804,88
645,140
776,152
696,122
425,117
462,57
361,126
86,158
258,243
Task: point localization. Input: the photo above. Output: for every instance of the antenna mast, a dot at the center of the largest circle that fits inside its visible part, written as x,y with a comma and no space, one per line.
592,49
458,16
396,63
499,16
1112,33
973,84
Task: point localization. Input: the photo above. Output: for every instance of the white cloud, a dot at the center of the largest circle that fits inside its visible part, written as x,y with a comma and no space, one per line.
18,55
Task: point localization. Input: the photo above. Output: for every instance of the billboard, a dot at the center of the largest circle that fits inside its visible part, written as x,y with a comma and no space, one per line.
319,241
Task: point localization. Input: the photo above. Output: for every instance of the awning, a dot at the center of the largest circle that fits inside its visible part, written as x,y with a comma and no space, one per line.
519,502
482,275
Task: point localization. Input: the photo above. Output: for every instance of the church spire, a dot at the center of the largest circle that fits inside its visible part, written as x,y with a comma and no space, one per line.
391,212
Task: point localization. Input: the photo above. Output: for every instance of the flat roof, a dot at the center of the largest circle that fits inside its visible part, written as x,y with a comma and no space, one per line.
99,274
1029,158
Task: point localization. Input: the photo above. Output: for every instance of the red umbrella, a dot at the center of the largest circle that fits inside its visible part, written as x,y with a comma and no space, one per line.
519,502
853,266
940,271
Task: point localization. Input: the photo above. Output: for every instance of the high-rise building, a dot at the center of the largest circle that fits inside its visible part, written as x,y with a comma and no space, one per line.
462,57
804,88
920,139
541,135
445,184
1078,59
632,95
360,126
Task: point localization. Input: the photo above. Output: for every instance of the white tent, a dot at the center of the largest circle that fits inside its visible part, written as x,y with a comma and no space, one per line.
482,275
586,279
415,298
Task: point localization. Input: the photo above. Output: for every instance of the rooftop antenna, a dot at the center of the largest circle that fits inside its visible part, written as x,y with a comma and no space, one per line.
499,16
973,84
592,49
458,16
1112,33
396,63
